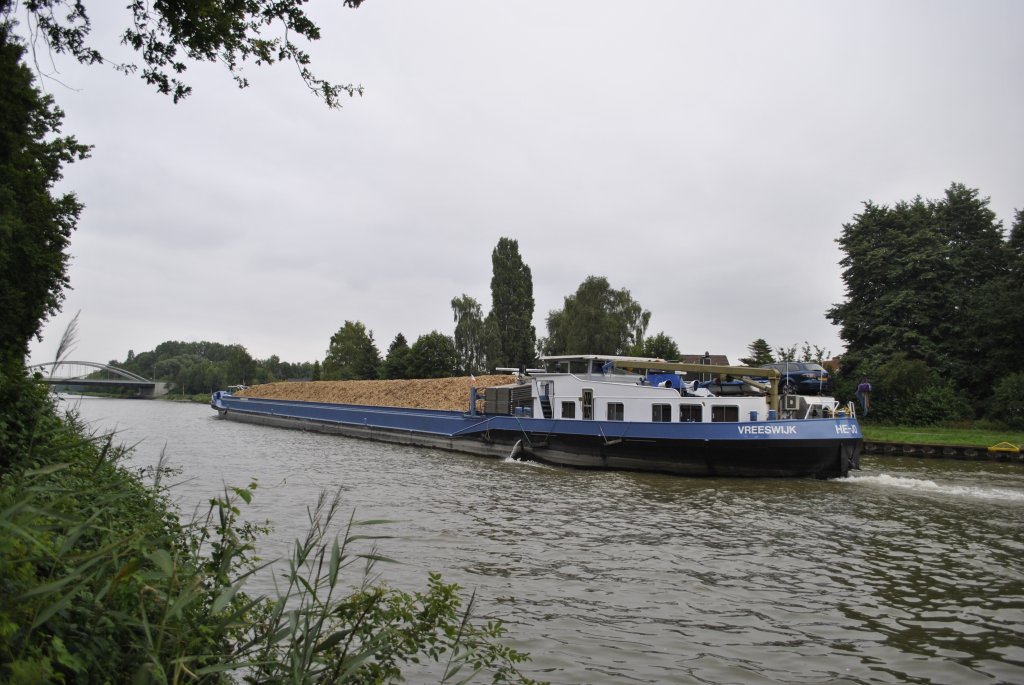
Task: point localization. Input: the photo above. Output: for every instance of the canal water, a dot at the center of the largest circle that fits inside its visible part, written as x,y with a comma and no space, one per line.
909,571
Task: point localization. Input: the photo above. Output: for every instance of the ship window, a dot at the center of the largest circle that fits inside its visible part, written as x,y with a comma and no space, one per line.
661,412
615,411
720,413
587,402
691,412
568,410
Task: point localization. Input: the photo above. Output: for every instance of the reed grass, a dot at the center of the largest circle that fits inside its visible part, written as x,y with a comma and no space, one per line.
102,581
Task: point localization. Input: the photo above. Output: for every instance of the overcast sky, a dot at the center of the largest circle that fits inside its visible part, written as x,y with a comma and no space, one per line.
702,155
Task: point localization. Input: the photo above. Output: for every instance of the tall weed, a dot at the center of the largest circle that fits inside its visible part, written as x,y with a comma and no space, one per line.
101,581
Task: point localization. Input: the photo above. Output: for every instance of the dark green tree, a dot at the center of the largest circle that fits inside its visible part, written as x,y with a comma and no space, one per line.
35,224
511,336
919,276
996,318
170,35
895,275
352,354
909,392
177,370
270,369
316,371
239,366
1016,240
433,356
470,339
211,366
760,354
977,257
661,346
596,320
397,363
1008,401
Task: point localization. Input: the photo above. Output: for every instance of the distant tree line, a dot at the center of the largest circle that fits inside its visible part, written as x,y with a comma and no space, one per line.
201,367
596,319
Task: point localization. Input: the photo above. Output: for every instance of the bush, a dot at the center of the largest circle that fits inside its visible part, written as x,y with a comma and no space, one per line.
1008,400
78,541
26,409
101,582
908,392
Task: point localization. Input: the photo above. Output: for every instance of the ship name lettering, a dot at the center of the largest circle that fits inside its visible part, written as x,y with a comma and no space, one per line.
767,430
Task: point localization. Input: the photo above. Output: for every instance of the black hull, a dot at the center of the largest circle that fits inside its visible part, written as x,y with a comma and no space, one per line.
694,458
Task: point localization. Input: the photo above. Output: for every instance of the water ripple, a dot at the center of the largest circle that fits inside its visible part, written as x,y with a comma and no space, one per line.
908,572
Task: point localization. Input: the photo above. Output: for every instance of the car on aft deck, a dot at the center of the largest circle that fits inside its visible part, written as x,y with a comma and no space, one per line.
802,378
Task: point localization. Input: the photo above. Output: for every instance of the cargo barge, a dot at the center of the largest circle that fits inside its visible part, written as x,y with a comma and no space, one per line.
606,412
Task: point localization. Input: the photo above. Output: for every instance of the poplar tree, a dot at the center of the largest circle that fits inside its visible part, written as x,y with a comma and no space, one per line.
511,335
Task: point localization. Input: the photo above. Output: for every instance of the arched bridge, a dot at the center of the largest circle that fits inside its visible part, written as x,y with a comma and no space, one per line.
75,376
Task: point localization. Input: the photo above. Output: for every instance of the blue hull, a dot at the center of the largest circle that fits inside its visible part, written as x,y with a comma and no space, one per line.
822,448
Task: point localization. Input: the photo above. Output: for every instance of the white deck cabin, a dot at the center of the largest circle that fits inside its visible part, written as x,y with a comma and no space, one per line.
596,387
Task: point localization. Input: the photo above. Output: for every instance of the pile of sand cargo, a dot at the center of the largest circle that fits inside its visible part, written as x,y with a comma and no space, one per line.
427,393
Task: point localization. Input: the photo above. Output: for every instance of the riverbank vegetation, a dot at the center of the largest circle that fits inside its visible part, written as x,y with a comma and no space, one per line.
103,582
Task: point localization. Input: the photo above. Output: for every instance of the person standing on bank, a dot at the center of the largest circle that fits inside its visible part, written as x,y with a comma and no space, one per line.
864,395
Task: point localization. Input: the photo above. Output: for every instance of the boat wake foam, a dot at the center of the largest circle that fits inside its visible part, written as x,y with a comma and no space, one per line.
532,463
930,486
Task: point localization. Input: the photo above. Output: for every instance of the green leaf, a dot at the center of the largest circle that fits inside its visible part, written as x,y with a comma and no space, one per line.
224,597
378,557
48,588
52,609
331,640
244,494
161,558
46,470
335,561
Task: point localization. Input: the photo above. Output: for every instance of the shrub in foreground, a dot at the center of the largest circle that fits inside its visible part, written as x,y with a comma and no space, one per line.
100,581
908,392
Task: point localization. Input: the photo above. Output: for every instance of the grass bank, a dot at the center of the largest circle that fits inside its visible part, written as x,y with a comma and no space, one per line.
939,435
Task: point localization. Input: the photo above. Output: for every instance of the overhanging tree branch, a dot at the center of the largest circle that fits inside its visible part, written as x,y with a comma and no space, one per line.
169,34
